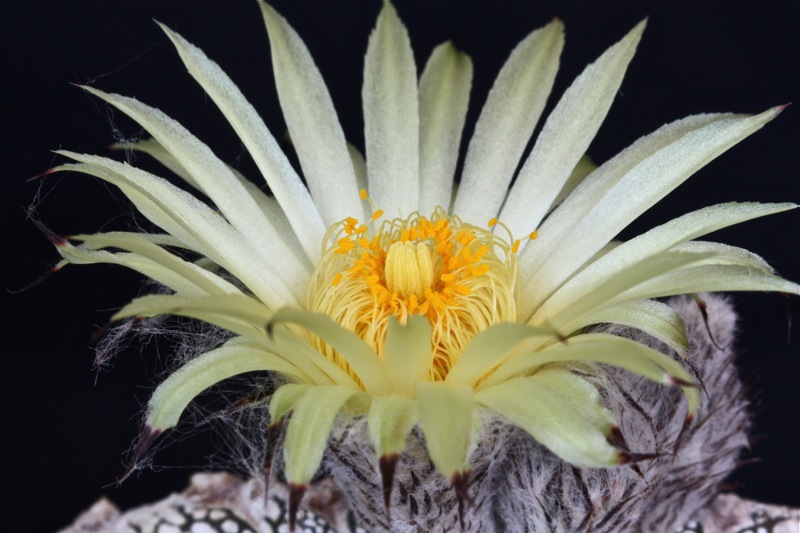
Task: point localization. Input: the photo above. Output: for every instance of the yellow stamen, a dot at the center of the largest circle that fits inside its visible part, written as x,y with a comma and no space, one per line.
461,277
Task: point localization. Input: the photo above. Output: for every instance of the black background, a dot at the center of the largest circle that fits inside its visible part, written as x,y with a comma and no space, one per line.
64,437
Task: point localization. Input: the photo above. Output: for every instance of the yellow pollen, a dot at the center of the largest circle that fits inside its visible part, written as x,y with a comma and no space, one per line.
460,277
345,245
533,235
363,194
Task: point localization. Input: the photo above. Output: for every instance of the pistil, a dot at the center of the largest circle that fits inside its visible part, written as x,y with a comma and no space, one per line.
409,268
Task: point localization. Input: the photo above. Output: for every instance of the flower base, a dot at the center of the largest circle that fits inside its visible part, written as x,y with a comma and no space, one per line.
671,482
675,466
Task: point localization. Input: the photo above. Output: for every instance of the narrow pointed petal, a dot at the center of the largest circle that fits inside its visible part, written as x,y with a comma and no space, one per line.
159,239
308,430
191,221
594,187
654,318
154,149
652,242
390,420
238,313
246,317
237,306
489,348
602,348
173,395
710,278
139,243
391,117
617,208
407,353
219,183
566,135
159,208
283,399
268,204
361,358
443,98
447,414
605,295
287,344
506,123
725,254
181,276
560,410
312,122
283,181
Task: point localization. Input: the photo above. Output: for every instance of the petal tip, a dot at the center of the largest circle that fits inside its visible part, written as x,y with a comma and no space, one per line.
675,380
636,33
147,436
460,481
296,493
387,465
166,29
629,457
269,14
557,23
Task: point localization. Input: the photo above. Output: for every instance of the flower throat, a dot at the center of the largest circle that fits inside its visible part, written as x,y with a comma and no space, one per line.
461,277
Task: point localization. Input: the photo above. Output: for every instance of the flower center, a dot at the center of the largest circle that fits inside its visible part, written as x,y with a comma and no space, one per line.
461,277
409,268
